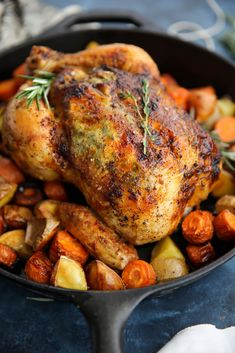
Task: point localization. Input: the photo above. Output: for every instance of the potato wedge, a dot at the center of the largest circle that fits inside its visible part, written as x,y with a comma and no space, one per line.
169,268
226,107
166,248
64,244
47,209
39,268
8,256
101,277
225,185
226,202
97,238
7,191
68,273
40,231
16,216
15,239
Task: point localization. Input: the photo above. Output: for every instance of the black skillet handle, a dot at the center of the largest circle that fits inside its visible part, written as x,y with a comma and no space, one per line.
107,314
97,18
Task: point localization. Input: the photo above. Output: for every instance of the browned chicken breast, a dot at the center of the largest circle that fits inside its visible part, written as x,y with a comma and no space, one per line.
138,159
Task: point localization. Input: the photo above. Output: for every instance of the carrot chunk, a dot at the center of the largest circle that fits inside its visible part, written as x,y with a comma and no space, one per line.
138,273
39,268
55,190
64,244
7,89
224,225
225,128
8,256
197,227
10,172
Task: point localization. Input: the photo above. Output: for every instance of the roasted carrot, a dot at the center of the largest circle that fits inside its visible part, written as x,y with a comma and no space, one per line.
224,225
64,244
7,89
225,128
39,268
203,100
8,256
10,172
200,255
55,190
180,96
138,273
28,196
20,70
168,81
197,227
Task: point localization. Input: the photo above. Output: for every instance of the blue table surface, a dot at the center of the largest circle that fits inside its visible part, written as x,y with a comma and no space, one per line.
59,327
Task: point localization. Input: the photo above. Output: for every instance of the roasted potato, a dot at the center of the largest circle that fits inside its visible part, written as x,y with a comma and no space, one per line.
55,190
64,244
200,255
226,107
169,268
7,191
166,248
28,195
15,239
204,101
97,238
39,268
8,256
226,202
68,273
40,231
225,185
47,209
101,277
10,172
16,216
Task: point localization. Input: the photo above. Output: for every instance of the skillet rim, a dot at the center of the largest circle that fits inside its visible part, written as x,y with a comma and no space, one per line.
159,289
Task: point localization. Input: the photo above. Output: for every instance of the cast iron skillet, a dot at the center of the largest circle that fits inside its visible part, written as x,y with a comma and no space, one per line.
192,66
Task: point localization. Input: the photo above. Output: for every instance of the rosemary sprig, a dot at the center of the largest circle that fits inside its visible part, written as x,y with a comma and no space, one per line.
39,89
227,156
146,110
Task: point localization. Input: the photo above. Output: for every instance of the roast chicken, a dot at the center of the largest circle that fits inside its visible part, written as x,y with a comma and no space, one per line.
115,133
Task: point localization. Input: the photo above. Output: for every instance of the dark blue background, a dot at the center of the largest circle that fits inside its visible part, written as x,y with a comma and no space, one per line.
58,327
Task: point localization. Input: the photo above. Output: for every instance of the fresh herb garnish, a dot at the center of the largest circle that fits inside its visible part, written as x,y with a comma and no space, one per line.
146,110
227,155
39,89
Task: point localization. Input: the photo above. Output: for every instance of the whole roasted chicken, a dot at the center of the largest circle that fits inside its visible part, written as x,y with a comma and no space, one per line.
114,132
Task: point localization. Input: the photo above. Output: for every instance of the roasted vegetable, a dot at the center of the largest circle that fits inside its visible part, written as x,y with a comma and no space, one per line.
68,273
7,191
138,273
16,216
98,239
10,172
224,186
200,255
197,227
225,128
224,225
226,106
28,195
8,256
46,209
64,244
15,239
40,231
166,248
101,277
226,202
39,268
7,89
169,268
203,100
55,190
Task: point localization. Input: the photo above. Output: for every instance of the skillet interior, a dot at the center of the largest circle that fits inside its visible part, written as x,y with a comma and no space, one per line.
191,65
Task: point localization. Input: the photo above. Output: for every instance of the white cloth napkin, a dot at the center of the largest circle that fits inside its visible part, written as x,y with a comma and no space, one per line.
202,339
36,17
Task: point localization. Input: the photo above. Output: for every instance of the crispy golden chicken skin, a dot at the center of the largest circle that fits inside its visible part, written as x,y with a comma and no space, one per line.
137,172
